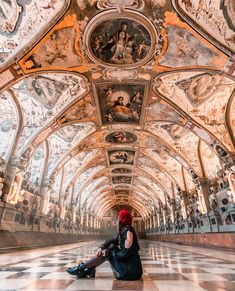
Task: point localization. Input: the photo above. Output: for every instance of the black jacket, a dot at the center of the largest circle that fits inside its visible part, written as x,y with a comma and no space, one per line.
125,263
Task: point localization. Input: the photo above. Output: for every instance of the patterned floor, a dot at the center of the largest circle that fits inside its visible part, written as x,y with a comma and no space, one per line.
167,267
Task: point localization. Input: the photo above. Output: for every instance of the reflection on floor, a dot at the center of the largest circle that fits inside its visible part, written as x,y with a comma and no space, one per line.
167,267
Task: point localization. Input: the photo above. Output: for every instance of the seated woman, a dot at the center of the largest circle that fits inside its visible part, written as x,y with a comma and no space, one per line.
121,251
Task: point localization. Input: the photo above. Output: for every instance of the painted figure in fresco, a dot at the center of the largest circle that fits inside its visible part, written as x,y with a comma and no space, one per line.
121,157
128,44
121,251
137,98
120,137
114,51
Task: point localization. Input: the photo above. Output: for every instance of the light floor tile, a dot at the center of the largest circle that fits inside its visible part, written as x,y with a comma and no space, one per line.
12,284
97,284
203,277
159,270
42,269
177,286
58,276
6,274
219,270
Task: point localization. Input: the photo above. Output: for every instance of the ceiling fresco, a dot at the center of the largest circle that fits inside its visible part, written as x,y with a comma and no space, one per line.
107,103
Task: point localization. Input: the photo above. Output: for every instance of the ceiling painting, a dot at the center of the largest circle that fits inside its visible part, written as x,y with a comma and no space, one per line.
121,171
182,141
59,147
9,124
82,111
160,110
216,18
59,49
160,177
121,157
117,103
181,51
120,102
41,102
125,41
211,112
121,137
22,24
121,180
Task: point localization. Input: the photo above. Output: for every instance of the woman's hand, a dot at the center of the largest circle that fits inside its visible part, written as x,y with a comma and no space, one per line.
99,252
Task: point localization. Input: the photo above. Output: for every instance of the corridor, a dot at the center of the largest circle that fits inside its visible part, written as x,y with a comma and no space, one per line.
167,267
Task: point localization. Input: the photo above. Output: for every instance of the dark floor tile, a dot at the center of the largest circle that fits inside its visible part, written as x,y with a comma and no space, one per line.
25,275
218,285
49,285
154,265
14,269
54,265
189,270
167,276
134,285
230,277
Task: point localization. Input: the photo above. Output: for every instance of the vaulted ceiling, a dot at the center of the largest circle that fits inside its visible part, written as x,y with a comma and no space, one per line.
117,102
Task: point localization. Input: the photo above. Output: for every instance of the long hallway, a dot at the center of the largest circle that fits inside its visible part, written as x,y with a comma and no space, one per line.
167,267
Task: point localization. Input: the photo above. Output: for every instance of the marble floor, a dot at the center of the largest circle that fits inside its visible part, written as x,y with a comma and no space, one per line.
167,267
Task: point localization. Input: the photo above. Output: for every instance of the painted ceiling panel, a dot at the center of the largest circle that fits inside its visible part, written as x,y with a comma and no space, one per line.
43,97
214,17
201,95
9,123
22,24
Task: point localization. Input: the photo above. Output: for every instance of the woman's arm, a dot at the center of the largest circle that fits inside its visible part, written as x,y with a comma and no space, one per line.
129,240
108,242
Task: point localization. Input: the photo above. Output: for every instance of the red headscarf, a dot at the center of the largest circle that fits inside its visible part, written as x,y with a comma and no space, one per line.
125,217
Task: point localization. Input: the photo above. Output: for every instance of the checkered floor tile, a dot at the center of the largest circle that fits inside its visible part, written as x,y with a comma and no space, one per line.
166,267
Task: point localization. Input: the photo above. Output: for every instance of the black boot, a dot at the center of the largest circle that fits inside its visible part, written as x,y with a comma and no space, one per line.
90,273
77,270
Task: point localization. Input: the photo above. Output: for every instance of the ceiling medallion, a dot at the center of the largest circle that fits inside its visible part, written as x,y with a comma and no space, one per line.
128,40
121,180
121,137
121,171
121,157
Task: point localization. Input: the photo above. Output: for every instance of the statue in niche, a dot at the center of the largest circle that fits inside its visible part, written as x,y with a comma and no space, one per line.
14,192
231,181
222,180
201,200
63,210
182,204
213,204
226,216
46,202
36,204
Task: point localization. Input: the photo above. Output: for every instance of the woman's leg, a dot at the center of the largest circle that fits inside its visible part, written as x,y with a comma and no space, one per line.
87,269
